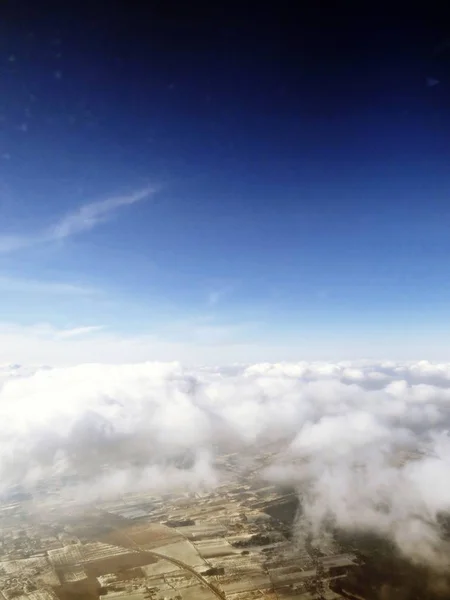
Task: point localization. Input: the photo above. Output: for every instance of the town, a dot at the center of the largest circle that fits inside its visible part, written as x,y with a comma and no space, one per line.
243,540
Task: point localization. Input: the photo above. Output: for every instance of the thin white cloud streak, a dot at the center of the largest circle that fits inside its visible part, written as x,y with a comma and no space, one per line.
83,219
90,215
188,341
366,443
78,331
44,344
200,342
10,243
34,286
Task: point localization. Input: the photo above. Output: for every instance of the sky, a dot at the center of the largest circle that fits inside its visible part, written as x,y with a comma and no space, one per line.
220,185
246,214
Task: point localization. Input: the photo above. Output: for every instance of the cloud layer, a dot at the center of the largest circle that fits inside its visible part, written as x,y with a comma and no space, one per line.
365,444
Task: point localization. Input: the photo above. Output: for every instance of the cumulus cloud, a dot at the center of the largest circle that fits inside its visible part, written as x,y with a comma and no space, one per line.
365,444
83,219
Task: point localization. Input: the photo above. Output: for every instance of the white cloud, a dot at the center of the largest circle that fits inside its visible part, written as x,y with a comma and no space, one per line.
364,442
79,331
90,215
34,286
192,344
195,341
83,219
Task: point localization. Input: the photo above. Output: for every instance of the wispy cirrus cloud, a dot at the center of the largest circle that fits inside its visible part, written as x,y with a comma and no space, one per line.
47,330
34,286
85,218
90,215
10,243
78,331
192,342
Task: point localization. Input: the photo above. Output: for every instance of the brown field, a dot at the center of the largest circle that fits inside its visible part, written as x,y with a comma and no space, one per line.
147,535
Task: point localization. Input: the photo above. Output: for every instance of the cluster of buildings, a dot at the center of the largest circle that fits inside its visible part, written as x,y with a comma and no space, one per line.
241,541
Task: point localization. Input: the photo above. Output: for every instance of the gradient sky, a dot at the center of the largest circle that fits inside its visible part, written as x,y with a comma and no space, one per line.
213,184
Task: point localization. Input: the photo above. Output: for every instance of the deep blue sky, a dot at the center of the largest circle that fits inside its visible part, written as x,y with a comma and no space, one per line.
301,162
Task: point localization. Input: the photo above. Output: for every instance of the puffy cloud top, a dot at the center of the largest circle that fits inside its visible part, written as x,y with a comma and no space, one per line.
364,443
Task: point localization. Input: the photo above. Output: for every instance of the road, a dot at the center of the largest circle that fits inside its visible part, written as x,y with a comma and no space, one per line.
130,543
